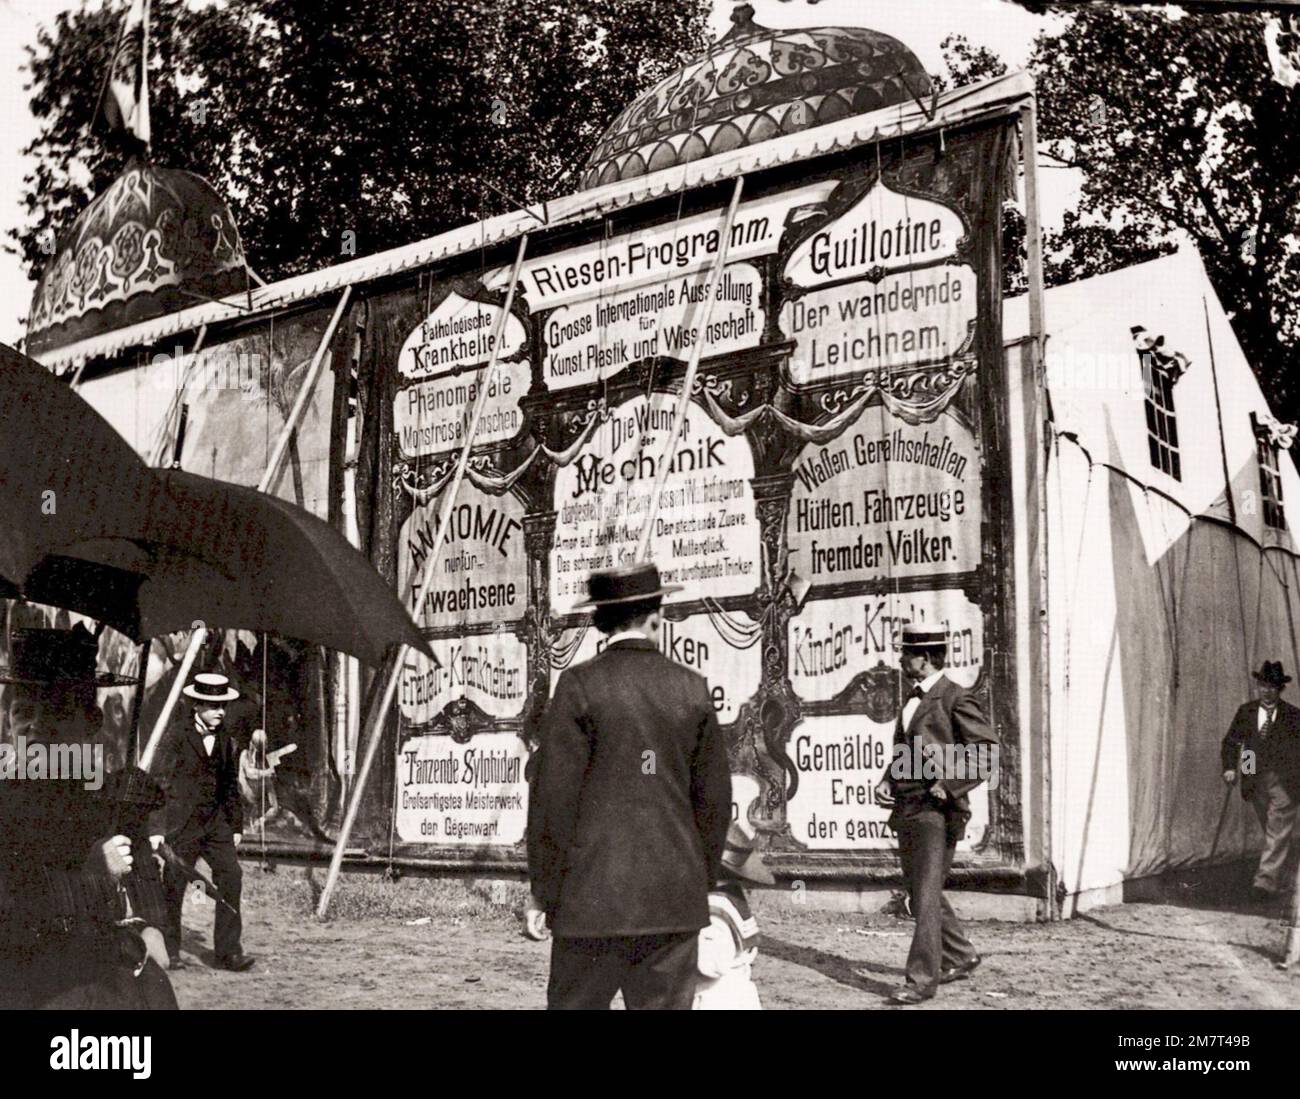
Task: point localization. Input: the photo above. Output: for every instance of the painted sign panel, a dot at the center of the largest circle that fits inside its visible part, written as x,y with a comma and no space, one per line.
834,640
490,670
886,500
462,795
840,759
659,252
883,231
706,535
482,574
445,358
731,662
598,337
904,320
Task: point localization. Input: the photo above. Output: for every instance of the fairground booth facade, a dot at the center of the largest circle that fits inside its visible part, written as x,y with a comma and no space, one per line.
864,446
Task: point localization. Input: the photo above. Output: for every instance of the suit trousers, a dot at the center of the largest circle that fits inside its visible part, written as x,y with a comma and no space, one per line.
926,848
218,852
1277,816
655,972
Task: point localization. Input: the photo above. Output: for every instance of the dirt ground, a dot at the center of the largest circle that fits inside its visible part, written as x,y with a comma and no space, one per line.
425,943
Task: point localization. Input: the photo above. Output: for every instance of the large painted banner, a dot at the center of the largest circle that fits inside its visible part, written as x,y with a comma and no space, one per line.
840,472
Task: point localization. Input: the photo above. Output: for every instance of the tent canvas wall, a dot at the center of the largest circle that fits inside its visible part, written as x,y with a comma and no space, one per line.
1165,590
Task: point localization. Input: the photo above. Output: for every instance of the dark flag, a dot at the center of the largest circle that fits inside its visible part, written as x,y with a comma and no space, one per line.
125,102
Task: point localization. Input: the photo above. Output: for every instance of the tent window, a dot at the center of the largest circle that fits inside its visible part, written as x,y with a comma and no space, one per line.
1270,478
1162,423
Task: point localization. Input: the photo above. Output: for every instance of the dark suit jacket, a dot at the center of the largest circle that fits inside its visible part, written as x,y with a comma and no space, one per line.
1278,752
945,715
631,798
180,770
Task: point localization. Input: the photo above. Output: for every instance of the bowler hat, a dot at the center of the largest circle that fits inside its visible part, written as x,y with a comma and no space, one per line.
922,637
210,687
740,860
46,657
1270,672
628,584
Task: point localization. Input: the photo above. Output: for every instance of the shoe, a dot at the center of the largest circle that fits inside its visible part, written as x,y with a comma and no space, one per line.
960,972
175,962
910,994
236,963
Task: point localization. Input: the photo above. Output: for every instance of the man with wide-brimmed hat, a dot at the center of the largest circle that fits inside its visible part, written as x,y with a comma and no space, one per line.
930,810
198,767
628,811
1262,750
81,903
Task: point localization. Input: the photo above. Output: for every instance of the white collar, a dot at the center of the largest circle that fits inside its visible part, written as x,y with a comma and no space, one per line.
626,635
927,684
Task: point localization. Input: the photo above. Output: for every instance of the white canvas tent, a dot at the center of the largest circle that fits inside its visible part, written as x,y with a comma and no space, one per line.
1163,592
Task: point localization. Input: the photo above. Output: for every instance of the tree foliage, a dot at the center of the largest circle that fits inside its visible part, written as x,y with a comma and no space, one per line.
1178,126
390,120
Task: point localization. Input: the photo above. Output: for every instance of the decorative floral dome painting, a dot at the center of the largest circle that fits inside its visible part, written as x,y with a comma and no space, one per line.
156,241
755,84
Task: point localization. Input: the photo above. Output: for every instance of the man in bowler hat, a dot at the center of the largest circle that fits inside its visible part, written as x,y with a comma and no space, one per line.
1262,749
198,768
930,814
628,811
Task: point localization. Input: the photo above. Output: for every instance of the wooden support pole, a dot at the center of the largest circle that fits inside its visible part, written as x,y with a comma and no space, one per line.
1040,445
692,365
173,696
304,394
426,578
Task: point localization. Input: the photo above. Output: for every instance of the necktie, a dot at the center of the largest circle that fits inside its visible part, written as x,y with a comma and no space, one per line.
1267,727
916,692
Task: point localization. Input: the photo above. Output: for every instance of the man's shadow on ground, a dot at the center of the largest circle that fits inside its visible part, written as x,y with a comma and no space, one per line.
841,970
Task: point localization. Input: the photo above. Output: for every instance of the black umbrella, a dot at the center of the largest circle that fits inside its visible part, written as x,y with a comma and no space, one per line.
172,549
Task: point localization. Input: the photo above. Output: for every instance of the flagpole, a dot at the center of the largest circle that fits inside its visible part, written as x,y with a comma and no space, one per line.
426,578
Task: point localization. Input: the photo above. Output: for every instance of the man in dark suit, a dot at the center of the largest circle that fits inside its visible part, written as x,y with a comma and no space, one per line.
930,809
628,811
1263,749
198,769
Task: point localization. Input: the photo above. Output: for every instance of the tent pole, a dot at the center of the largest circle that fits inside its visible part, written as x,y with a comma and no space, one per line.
173,696
137,702
304,394
426,577
688,380
161,448
1039,569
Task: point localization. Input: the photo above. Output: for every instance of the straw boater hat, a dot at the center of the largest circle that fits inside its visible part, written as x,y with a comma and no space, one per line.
210,687
46,658
740,860
628,584
1270,672
922,637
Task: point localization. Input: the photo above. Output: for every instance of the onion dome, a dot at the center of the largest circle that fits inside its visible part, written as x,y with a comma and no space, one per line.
755,84
156,241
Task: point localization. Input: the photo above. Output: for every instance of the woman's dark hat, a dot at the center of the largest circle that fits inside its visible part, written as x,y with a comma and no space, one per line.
44,657
740,860
1270,672
629,584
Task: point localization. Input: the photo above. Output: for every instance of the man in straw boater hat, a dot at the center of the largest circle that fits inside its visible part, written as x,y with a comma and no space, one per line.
1262,747
198,766
81,902
628,811
930,810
